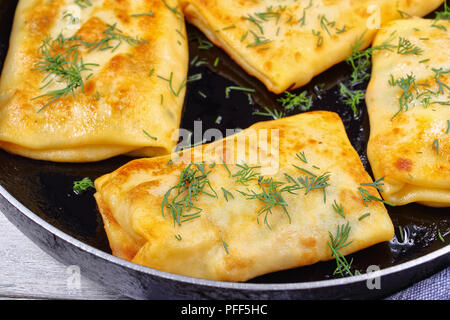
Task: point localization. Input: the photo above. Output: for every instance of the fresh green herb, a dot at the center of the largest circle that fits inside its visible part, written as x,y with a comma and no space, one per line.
319,37
216,62
173,9
204,96
227,193
228,90
364,216
112,39
204,44
404,14
290,101
60,58
275,114
360,60
225,246
177,92
367,197
83,3
438,73
193,181
435,146
311,181
194,77
148,135
302,20
72,18
226,168
351,98
441,237
336,243
441,15
407,85
402,234
324,23
143,14
271,196
338,208
302,157
246,173
405,47
376,184
244,36
258,40
83,185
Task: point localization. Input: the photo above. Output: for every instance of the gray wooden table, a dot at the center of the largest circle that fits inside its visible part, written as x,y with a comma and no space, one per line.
27,272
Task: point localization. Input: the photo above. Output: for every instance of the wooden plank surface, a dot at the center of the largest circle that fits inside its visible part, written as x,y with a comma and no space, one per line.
28,272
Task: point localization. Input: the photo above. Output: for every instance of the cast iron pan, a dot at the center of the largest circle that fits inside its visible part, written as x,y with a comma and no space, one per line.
38,198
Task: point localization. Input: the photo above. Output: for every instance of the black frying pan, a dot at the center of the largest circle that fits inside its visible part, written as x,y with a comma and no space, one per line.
38,198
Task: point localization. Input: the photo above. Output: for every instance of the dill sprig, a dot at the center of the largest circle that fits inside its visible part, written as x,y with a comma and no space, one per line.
83,185
376,184
246,173
274,114
112,39
336,243
150,136
311,182
351,98
291,101
227,194
338,208
367,197
257,40
319,37
138,15
175,92
407,85
225,246
441,15
192,182
302,157
364,216
83,3
435,146
438,73
405,47
236,88
360,60
61,61
271,196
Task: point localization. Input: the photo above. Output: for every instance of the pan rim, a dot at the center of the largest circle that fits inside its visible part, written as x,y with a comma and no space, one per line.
243,286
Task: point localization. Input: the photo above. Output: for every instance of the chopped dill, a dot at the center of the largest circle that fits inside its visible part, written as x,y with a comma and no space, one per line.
83,185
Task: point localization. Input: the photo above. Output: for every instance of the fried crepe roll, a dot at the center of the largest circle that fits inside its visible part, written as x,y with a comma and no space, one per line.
87,80
278,195
285,44
409,109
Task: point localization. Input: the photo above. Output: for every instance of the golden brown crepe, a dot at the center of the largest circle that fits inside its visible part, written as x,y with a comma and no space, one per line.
129,98
229,234
408,101
285,44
